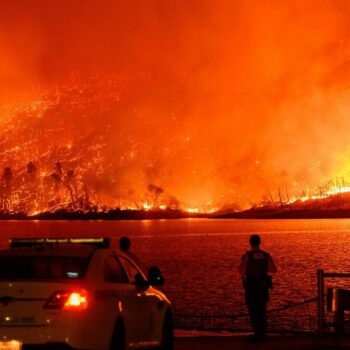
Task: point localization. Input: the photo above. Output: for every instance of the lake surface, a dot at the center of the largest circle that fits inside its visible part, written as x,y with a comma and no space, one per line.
199,257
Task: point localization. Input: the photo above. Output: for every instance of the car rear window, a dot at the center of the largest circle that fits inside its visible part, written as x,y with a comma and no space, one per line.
42,267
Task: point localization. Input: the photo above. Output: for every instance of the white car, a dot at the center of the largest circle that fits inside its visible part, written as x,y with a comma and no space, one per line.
79,294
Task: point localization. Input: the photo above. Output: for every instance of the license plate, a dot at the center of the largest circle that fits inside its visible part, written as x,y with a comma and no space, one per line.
10,345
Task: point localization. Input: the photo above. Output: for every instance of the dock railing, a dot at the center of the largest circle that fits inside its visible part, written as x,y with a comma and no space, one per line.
307,316
300,322
321,275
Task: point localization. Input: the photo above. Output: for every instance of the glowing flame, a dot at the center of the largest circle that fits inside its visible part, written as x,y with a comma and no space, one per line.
325,194
263,116
192,210
146,206
75,169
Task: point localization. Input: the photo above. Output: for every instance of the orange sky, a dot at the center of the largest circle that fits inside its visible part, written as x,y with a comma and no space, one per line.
246,96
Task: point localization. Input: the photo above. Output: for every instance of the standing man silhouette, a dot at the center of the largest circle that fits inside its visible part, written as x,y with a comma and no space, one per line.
124,245
255,267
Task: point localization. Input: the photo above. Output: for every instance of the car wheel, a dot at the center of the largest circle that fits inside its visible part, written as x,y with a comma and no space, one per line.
168,333
118,337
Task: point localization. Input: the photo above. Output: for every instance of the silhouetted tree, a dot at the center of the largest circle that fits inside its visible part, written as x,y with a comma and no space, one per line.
135,199
7,178
31,198
84,198
59,169
65,179
173,203
31,168
155,191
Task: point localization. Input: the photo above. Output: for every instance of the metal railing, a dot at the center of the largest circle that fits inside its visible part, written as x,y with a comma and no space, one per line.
312,321
302,322
321,275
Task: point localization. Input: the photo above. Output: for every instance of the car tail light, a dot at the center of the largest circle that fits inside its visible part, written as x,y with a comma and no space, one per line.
73,300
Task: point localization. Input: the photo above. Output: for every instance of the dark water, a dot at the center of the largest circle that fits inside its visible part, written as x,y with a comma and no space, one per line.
199,257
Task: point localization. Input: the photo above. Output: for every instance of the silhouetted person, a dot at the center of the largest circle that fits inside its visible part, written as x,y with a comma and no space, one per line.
255,267
124,244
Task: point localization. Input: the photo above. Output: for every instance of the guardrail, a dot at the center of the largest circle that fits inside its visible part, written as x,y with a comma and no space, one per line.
300,323
240,322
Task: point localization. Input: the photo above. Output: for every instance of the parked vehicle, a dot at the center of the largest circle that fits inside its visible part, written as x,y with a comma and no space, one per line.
79,294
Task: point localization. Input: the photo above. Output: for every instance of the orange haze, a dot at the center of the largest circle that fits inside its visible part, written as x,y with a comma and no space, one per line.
216,102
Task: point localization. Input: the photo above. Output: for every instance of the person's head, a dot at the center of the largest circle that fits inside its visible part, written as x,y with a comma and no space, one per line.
124,243
254,241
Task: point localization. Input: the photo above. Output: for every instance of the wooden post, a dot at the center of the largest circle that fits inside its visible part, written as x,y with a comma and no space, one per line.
320,300
339,321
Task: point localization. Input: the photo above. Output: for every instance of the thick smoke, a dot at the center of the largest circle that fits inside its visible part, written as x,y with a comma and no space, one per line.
220,101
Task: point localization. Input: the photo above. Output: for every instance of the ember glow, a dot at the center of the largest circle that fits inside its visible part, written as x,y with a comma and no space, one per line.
192,104
324,194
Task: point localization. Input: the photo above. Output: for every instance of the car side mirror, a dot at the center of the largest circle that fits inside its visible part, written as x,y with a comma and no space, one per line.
155,277
140,281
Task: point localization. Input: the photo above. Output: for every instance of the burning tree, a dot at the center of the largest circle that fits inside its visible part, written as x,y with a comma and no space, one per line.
155,192
31,191
6,189
65,179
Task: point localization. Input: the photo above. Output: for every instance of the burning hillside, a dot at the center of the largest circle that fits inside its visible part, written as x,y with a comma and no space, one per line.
62,151
331,201
192,104
85,147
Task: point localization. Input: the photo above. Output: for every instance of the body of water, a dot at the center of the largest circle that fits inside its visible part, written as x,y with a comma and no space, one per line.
199,257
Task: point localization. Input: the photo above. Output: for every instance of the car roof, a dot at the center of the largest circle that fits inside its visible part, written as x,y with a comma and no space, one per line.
59,250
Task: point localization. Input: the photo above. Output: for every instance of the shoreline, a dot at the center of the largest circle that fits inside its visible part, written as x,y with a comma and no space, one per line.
280,212
287,213
117,214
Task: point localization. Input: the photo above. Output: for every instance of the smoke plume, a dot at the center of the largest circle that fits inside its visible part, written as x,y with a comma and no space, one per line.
215,102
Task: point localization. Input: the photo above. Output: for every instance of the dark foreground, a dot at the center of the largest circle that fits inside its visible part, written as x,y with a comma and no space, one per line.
275,343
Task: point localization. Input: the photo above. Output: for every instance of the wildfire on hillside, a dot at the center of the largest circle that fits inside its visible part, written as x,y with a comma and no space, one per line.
193,105
52,160
56,154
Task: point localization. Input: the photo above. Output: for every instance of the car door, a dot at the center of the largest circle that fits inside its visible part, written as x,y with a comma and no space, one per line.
130,302
111,295
146,302
119,298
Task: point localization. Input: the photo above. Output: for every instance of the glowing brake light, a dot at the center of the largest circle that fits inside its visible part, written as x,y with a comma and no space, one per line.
76,301
68,300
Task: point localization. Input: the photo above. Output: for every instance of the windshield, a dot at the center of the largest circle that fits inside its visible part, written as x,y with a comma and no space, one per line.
42,267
